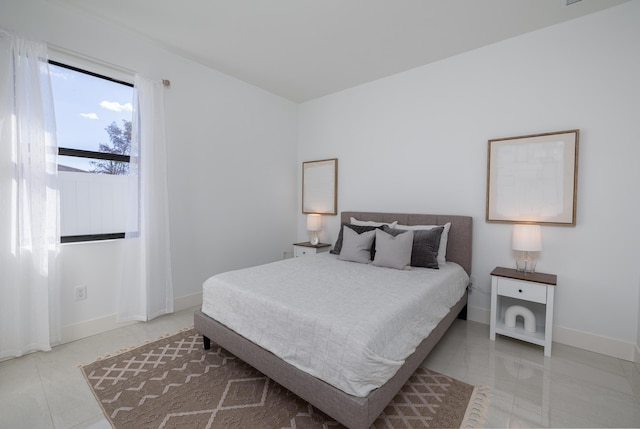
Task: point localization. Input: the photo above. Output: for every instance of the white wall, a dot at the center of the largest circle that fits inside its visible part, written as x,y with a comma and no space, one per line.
232,165
417,142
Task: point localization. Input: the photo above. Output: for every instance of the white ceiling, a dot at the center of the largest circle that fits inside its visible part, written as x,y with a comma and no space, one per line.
303,49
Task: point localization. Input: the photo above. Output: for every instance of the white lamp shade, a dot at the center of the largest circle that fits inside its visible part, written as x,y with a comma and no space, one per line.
527,238
314,222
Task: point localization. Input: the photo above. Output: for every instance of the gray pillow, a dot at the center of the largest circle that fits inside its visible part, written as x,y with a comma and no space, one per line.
393,250
424,252
357,228
425,247
356,247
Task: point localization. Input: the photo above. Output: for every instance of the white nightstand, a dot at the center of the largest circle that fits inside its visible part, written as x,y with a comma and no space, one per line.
306,249
534,292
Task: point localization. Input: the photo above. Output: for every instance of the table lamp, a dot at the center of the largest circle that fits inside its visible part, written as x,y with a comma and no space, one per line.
314,224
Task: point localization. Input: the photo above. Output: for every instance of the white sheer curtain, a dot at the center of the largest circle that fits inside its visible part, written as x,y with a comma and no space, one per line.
29,225
146,290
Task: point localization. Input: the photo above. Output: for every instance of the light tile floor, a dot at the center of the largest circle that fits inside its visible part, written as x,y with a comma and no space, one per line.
573,388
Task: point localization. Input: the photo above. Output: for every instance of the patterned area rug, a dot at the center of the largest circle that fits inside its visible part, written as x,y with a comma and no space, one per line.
174,383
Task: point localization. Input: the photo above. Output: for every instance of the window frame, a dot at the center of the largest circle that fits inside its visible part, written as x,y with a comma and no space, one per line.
80,153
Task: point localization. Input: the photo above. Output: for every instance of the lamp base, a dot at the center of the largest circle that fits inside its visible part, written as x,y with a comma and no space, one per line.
314,238
526,264
530,267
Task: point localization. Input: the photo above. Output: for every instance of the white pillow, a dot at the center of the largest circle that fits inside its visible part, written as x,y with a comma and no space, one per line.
393,251
356,247
355,221
442,249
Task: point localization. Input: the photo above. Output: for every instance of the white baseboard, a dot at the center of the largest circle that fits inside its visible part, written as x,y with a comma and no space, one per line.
184,302
574,338
91,327
595,343
478,314
107,323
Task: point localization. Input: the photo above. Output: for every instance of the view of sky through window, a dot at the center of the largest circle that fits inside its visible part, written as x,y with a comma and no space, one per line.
85,106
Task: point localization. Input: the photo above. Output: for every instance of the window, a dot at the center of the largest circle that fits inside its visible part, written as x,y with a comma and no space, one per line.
94,115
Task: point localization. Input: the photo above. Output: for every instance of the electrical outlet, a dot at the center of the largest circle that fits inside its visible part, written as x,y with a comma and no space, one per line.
81,292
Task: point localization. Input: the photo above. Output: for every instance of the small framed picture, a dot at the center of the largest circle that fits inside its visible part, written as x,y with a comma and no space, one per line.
320,186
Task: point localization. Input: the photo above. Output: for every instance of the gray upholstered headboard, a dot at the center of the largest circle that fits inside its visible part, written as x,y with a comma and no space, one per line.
460,233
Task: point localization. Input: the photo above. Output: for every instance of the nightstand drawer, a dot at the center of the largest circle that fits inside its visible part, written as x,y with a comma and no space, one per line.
307,249
303,251
522,290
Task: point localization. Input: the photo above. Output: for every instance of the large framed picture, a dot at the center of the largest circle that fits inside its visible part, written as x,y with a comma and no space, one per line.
320,186
533,179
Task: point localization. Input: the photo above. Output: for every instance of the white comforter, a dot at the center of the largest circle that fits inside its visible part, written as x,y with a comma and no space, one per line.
349,324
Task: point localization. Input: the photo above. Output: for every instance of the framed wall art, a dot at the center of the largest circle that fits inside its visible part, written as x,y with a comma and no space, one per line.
320,186
533,179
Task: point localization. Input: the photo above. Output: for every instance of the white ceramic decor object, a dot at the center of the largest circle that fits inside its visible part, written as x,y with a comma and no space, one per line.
518,310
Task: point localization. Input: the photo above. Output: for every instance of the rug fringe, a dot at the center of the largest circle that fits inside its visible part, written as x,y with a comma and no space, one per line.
129,348
478,407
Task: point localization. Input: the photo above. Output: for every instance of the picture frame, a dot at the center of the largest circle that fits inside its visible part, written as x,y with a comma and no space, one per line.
533,178
320,186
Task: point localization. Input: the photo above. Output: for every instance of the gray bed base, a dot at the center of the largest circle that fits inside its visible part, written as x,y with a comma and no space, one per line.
353,412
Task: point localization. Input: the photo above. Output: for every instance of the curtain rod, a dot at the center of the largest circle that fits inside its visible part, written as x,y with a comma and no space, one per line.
64,51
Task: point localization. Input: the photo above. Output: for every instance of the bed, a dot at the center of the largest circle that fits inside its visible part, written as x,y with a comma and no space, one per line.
359,406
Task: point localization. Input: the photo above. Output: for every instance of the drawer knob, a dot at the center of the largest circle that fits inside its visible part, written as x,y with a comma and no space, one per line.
520,290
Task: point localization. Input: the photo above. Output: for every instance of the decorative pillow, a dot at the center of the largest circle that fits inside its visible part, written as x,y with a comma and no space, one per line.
393,250
357,228
425,247
424,250
393,231
355,221
356,247
442,249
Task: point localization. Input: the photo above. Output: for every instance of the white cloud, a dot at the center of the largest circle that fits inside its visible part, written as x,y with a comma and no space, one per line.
89,115
115,106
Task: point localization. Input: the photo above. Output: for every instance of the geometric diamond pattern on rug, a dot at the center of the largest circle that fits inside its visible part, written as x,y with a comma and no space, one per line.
311,419
245,393
423,401
174,383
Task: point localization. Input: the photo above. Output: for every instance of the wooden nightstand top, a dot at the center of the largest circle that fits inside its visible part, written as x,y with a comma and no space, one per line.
548,279
315,246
